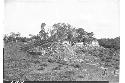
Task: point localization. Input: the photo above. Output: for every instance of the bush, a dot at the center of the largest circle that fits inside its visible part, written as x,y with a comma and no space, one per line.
110,43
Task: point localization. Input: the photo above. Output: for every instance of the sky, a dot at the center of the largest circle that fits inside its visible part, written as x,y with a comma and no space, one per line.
98,16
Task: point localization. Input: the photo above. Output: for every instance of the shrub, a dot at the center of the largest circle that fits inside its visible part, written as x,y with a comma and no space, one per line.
110,43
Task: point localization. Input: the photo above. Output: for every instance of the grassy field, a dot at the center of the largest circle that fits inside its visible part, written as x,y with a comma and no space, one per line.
21,65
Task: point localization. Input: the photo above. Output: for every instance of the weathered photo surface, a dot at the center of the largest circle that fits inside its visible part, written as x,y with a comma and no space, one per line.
61,40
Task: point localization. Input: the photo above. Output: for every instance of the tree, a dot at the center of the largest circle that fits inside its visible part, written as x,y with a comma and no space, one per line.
60,31
110,43
43,34
84,36
12,37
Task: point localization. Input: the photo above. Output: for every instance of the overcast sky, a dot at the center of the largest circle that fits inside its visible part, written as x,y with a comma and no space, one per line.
98,16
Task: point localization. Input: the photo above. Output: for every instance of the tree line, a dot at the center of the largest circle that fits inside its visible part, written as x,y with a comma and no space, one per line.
62,32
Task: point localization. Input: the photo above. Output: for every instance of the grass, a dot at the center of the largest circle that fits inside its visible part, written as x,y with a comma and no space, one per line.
21,65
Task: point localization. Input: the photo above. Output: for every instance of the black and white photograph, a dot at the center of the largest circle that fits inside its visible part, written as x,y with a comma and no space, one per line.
61,41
